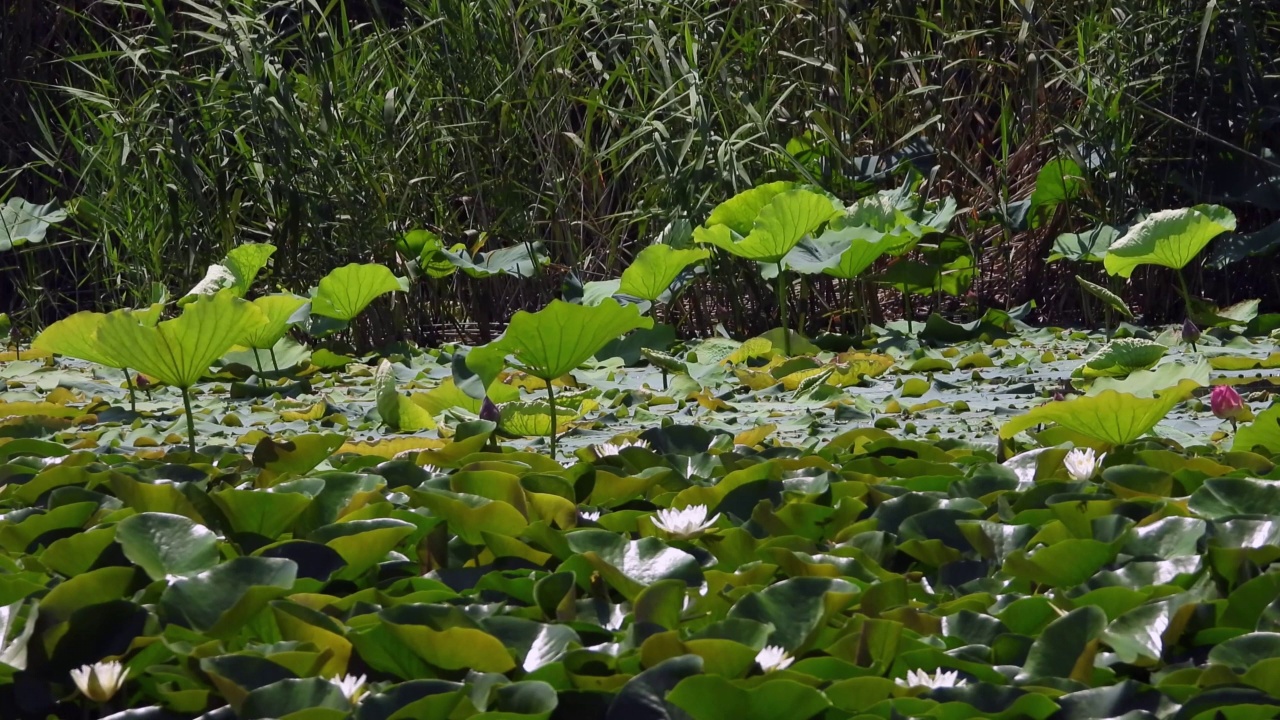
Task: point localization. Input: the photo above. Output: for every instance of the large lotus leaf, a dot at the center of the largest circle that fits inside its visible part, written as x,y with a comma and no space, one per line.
1088,246
23,222
597,291
278,310
711,697
179,351
1263,431
166,545
521,260
786,219
76,336
220,600
236,272
739,212
797,608
346,291
398,411
1123,356
246,261
217,277
296,455
655,268
844,251
556,339
1148,383
1110,416
1171,238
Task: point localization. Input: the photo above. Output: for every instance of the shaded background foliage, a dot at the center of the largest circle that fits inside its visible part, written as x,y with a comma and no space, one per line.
177,129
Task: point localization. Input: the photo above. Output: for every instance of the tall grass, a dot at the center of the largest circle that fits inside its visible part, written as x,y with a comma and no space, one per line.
330,127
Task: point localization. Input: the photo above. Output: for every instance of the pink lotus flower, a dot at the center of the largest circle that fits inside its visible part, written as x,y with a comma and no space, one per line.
1227,404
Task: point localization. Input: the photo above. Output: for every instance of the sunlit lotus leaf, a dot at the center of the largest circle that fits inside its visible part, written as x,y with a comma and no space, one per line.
22,222
279,311
557,338
739,212
1264,431
397,410
179,351
236,272
1171,238
534,417
1123,356
75,336
655,268
1110,416
346,291
781,223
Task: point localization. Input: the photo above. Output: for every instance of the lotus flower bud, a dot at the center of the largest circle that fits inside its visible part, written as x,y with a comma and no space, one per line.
1190,333
1227,404
489,411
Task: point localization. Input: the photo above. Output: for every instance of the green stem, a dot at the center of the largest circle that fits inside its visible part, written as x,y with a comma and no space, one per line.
906,302
191,419
782,310
133,400
551,400
274,364
257,361
1186,293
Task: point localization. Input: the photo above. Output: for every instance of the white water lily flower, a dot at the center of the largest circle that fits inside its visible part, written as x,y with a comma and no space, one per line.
920,678
100,681
685,523
14,652
773,657
604,450
1081,463
592,515
352,686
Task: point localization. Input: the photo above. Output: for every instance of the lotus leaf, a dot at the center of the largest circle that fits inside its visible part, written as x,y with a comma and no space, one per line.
348,290
779,226
654,270
1110,416
1112,300
1171,238
279,311
520,260
23,222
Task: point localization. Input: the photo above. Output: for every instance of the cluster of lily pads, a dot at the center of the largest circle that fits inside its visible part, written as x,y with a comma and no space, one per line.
588,519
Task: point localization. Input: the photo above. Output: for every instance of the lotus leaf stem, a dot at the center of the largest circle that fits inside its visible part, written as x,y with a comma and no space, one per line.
551,401
191,419
782,310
